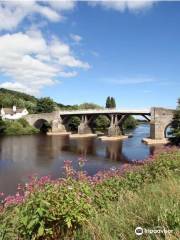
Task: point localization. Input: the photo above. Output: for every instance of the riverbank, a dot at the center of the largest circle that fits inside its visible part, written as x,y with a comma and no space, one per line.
16,128
108,205
116,138
150,141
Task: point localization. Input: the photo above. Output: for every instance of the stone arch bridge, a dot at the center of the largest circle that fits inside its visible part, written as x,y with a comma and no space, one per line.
159,118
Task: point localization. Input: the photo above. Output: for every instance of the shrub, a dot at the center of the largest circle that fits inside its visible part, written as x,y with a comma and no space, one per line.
18,127
108,203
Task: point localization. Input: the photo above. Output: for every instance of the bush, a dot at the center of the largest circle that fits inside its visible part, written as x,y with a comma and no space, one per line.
18,127
102,122
106,206
130,123
45,105
74,123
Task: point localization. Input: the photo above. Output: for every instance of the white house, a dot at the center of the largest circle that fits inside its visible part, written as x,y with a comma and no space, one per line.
13,114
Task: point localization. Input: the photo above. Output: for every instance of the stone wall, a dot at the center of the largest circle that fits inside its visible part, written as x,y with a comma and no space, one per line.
160,119
32,118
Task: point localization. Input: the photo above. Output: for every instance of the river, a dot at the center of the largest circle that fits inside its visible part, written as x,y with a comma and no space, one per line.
22,156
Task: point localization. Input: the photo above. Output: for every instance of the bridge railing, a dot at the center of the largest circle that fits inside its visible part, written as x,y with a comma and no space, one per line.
99,111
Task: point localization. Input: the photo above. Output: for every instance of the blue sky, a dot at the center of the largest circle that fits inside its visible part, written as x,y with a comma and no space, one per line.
79,52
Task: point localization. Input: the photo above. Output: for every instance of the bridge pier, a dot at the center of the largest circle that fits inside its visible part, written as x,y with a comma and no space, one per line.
84,128
114,129
57,126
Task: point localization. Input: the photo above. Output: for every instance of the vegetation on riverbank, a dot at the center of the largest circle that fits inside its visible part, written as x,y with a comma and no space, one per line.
18,127
8,98
175,126
106,206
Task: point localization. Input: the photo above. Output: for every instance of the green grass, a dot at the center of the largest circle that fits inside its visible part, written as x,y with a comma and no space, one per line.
153,205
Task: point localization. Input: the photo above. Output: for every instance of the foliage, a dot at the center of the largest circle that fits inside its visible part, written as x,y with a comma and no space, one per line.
175,126
110,102
102,122
74,123
8,98
17,127
2,126
89,106
130,123
45,105
67,107
154,206
83,207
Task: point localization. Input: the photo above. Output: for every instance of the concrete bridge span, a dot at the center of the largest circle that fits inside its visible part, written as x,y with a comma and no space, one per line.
159,118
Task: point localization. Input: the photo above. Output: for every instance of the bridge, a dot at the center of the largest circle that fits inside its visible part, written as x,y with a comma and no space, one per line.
159,119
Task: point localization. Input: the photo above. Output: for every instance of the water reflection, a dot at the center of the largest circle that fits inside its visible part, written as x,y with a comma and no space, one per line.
21,156
114,151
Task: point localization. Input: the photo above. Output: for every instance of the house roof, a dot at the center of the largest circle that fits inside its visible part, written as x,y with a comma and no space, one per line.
10,110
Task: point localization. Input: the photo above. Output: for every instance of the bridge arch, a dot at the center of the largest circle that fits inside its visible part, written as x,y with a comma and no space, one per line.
166,130
42,124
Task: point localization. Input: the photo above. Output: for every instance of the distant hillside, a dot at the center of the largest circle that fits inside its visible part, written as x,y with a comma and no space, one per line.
15,94
8,98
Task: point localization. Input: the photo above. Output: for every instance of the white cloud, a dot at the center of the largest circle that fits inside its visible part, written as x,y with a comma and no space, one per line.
31,62
127,81
12,13
123,5
76,38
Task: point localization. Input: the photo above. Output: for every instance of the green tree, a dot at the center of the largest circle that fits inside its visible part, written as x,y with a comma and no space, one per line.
113,102
89,106
45,105
130,123
74,123
175,126
108,102
102,122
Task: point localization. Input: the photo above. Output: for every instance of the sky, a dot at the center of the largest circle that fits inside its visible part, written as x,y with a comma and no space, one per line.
77,52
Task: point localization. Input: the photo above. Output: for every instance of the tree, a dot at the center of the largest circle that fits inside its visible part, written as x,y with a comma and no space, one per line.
45,105
108,102
89,106
102,122
175,126
74,123
130,123
113,102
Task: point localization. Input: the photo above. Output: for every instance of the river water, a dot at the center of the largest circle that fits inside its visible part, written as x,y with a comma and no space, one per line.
22,156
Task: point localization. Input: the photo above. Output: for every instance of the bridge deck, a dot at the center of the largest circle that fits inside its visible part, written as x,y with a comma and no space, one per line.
106,111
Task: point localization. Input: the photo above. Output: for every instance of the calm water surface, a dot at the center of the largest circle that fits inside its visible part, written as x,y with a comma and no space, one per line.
22,156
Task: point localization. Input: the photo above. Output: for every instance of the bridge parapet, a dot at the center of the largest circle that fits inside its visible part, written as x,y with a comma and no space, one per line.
105,111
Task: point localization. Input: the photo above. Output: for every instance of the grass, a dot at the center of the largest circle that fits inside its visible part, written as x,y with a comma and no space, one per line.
107,206
151,206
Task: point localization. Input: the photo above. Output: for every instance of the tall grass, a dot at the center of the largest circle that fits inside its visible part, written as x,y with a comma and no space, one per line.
155,205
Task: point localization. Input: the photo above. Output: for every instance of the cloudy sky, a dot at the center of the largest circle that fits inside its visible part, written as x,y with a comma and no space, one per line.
85,51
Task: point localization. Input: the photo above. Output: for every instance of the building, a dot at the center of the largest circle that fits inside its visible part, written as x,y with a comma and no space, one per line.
13,113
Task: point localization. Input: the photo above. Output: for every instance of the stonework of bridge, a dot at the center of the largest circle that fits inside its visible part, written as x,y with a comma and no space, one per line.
159,118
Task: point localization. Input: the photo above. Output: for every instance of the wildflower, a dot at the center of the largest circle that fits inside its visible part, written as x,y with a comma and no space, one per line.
113,168
81,162
1,194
